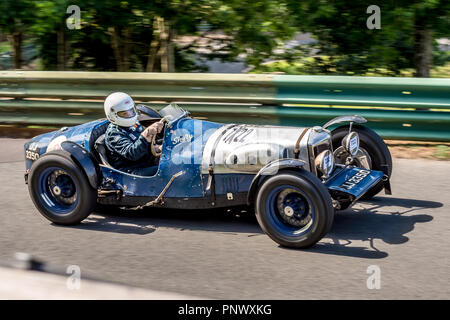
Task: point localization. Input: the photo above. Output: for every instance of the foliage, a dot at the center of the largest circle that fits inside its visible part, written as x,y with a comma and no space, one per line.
255,27
340,27
16,15
119,34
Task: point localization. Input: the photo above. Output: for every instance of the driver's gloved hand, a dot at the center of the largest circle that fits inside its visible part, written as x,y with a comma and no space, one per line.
152,130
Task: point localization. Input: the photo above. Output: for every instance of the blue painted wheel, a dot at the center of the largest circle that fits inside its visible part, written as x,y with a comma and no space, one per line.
290,209
294,208
57,190
60,190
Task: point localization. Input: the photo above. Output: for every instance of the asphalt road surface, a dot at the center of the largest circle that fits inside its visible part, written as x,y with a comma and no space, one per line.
218,254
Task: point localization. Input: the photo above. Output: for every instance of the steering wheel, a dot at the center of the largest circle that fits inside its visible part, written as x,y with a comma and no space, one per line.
153,145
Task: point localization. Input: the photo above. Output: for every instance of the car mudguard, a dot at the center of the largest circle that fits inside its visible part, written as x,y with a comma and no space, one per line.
270,169
341,119
84,160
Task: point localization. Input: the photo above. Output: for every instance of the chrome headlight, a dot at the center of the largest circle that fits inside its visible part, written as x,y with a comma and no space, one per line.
351,143
324,162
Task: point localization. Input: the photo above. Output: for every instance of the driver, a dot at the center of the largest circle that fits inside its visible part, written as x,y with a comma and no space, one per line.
128,143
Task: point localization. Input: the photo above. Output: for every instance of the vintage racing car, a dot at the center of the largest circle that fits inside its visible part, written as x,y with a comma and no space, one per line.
296,178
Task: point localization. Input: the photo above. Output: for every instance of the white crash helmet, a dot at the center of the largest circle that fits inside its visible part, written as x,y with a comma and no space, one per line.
120,110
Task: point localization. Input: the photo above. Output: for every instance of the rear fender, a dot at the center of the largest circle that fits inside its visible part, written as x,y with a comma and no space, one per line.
271,169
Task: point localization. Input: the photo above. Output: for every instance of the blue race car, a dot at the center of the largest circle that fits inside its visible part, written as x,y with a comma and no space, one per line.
295,178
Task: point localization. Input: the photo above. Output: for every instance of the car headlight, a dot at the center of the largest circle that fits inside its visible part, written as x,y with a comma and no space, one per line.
351,143
324,162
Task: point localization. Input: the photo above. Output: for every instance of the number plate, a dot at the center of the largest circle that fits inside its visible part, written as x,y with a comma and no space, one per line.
354,181
32,152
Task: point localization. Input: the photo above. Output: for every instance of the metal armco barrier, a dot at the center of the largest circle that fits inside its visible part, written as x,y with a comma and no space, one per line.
400,108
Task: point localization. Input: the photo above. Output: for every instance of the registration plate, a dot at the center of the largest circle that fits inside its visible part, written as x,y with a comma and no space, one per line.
354,181
32,152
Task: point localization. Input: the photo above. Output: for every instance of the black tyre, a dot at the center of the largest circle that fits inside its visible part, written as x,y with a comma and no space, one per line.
294,208
60,190
372,144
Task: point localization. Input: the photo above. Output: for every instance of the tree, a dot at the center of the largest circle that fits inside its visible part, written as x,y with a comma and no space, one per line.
256,27
128,27
404,40
15,18
431,19
115,19
50,23
139,35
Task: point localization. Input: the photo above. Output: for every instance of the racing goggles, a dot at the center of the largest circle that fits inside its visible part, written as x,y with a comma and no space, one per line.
130,113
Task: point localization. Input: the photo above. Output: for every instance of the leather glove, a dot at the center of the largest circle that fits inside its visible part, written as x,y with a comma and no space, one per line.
152,130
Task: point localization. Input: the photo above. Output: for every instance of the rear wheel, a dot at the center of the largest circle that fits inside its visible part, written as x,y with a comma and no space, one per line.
294,209
60,190
374,153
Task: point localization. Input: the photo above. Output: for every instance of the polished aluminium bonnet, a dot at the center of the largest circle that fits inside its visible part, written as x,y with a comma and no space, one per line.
244,148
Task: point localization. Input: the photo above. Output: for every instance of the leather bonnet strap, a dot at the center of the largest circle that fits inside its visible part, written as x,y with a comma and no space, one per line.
297,144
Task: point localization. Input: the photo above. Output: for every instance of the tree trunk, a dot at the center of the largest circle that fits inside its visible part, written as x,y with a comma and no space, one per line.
152,54
164,50
161,49
61,55
67,54
121,47
154,44
126,49
15,40
115,43
171,50
423,54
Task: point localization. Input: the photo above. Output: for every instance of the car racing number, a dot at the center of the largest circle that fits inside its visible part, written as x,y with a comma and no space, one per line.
237,135
32,152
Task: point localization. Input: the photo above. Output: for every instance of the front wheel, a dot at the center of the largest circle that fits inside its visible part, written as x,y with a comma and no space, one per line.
373,153
60,190
294,209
